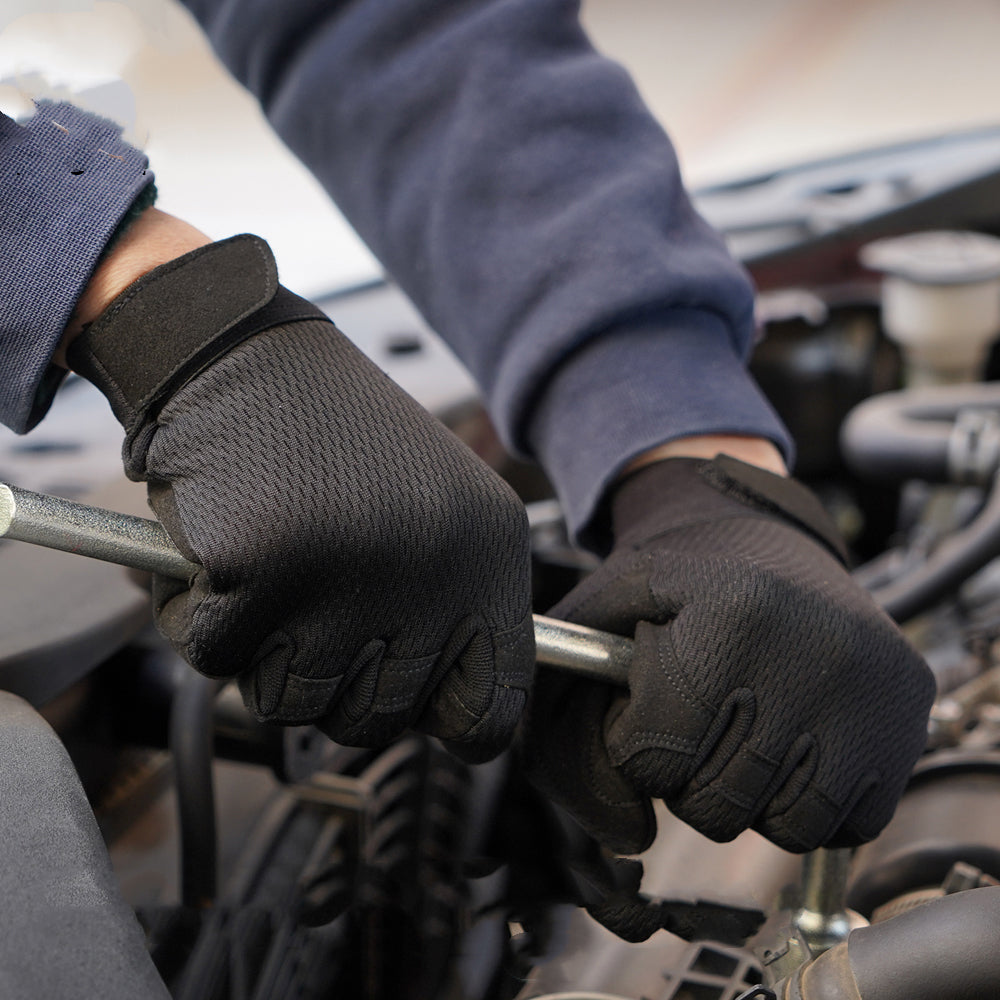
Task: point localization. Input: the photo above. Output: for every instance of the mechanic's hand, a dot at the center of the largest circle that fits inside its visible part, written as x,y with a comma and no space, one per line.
362,569
767,690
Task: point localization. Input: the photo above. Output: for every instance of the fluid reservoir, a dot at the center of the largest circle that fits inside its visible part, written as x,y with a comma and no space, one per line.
940,301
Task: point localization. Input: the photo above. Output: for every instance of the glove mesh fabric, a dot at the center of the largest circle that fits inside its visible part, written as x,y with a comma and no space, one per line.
766,691
362,569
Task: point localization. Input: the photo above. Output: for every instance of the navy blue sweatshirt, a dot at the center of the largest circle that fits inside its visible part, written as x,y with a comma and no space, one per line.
511,181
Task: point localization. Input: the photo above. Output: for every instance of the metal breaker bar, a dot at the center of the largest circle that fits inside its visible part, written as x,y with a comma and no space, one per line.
144,544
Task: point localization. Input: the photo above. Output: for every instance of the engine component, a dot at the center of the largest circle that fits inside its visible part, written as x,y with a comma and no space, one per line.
823,920
942,434
819,921
944,948
191,745
940,301
949,814
362,862
801,225
939,575
706,971
816,361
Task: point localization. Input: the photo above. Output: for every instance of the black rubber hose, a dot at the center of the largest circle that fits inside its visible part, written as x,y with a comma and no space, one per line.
191,744
948,566
911,435
907,435
945,948
942,949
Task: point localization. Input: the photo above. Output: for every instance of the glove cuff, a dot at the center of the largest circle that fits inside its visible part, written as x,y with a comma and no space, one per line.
178,319
677,483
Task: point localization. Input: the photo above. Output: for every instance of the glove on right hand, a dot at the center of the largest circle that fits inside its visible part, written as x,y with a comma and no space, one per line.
766,690
361,568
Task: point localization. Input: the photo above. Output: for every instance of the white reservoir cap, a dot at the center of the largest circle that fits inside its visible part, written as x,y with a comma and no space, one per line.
940,300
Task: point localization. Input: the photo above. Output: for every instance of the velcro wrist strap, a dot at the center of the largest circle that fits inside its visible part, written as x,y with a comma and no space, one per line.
671,493
178,319
767,491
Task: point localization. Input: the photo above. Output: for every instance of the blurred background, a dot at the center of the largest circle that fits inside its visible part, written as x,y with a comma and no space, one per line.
740,87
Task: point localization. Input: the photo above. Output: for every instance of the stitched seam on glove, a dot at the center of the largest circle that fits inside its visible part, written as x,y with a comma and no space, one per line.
511,639
680,682
318,692
712,793
401,668
756,487
815,792
488,717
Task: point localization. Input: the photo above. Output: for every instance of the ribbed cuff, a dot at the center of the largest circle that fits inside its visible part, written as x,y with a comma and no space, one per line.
631,390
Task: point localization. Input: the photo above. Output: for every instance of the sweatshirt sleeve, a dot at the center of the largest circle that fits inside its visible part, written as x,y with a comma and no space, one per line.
66,181
515,186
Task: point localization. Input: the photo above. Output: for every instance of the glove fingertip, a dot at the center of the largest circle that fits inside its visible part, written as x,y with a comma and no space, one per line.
495,731
625,829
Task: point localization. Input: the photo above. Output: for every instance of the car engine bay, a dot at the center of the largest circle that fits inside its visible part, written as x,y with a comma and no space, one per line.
271,863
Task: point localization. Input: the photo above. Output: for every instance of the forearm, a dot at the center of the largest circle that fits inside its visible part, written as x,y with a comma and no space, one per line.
516,187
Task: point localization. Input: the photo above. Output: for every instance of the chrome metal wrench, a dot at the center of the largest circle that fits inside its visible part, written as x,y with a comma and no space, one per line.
144,544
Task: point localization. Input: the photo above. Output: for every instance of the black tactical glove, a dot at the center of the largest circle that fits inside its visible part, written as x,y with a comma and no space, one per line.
767,690
362,569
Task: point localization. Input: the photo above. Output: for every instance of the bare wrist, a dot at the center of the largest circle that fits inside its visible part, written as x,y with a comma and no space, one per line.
153,239
752,450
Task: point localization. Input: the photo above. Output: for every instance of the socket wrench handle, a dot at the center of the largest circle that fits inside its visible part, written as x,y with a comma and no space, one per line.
143,544
132,541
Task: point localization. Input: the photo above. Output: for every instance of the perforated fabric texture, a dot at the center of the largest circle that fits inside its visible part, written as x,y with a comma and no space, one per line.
362,568
357,557
767,689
